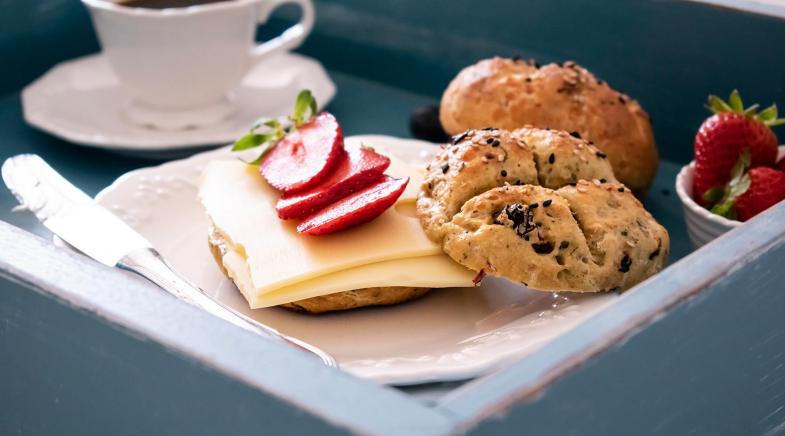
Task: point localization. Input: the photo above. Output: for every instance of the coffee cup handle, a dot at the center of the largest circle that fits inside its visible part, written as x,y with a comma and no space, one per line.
292,37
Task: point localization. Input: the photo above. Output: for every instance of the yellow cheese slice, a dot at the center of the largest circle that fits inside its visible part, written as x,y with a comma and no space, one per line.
241,206
425,271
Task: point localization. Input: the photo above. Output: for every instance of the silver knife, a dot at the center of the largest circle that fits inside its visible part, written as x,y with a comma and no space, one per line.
74,217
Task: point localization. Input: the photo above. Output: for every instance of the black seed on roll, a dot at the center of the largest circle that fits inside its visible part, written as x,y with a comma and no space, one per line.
445,168
564,244
551,158
601,155
534,206
496,143
626,262
504,173
547,203
621,189
575,134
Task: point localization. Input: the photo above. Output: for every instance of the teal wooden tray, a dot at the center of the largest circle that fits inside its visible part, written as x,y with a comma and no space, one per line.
697,349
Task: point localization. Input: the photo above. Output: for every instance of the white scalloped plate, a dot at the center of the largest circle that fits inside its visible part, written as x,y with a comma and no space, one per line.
450,334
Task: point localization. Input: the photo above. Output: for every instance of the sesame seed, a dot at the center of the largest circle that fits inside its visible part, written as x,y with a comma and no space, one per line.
547,203
445,168
601,155
459,137
534,206
495,143
489,141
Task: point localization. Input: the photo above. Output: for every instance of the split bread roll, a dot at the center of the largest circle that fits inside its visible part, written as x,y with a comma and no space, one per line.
541,208
377,296
509,94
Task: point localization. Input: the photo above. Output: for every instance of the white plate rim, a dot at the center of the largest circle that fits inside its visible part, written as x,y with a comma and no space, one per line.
411,375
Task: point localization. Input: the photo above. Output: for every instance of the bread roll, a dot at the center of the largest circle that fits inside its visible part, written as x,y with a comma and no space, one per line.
509,94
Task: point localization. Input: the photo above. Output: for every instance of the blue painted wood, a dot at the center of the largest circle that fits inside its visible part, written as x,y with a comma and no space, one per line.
666,54
88,349
713,365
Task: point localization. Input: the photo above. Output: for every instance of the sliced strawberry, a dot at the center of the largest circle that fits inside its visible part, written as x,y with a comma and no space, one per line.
360,167
358,208
304,157
767,188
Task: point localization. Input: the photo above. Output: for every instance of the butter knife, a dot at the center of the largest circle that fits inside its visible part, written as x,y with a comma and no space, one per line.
78,220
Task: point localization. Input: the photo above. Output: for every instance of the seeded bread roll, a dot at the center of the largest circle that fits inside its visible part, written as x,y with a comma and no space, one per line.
478,160
379,296
501,232
627,245
585,238
568,234
474,162
509,94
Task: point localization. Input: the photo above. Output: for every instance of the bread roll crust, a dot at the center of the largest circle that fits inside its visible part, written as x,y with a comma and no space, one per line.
509,94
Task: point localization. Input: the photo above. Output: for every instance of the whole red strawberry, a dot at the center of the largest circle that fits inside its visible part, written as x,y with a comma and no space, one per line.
724,135
749,193
767,188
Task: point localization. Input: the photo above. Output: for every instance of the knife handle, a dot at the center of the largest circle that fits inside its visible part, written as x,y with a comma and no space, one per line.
148,263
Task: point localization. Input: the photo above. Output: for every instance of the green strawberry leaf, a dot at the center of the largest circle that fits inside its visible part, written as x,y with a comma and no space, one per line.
738,185
718,105
752,110
724,210
305,102
735,101
304,109
272,123
768,114
741,165
713,195
250,140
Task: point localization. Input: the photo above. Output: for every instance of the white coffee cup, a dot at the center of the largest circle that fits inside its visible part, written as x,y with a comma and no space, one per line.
180,64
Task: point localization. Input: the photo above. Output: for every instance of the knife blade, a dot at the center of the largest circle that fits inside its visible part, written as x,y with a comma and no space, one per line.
74,217
68,212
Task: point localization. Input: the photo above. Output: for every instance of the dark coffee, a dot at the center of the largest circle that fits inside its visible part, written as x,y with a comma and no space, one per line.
164,4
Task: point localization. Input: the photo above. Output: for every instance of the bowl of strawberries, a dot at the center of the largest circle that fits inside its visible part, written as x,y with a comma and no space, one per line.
738,171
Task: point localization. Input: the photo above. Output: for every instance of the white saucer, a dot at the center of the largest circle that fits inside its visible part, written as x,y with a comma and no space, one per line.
82,102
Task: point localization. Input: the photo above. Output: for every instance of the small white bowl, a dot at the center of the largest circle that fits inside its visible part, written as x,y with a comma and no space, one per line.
702,225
